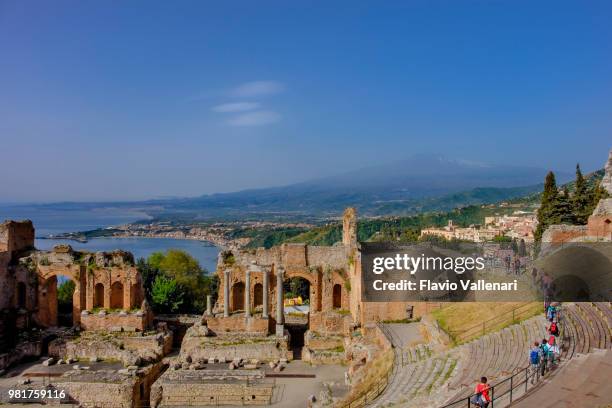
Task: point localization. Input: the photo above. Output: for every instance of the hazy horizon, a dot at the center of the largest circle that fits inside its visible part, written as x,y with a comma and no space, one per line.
106,103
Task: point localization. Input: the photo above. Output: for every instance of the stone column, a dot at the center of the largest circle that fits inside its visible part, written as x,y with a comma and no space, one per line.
266,288
209,305
226,293
247,294
280,314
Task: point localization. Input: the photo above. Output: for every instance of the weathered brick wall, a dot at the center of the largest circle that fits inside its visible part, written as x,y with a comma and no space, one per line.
101,394
16,236
330,322
239,323
372,312
116,321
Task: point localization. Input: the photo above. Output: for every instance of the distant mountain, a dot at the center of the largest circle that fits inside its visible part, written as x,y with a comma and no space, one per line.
419,183
416,184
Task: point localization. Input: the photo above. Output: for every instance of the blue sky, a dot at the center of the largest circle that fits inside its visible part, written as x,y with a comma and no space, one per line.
131,100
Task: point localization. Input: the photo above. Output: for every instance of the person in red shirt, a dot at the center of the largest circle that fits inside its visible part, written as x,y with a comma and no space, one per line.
482,388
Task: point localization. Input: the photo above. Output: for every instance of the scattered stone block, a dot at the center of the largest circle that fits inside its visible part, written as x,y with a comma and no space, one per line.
250,366
132,367
271,364
279,368
24,381
232,366
48,362
94,359
283,361
211,361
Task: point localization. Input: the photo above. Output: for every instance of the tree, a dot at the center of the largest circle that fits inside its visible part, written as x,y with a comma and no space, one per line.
189,275
514,245
65,291
148,273
562,212
547,205
166,295
582,199
599,193
522,251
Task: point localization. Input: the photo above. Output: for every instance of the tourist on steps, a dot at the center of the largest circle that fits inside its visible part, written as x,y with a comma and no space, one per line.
535,355
553,329
553,350
481,394
545,352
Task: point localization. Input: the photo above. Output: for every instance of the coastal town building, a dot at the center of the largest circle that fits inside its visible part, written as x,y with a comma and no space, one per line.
519,225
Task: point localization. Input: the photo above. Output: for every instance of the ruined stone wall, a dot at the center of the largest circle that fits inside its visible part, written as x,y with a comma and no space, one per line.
239,323
372,312
6,284
183,389
115,322
16,236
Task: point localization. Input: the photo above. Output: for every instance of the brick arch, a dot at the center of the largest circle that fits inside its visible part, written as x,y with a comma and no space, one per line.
99,295
316,288
47,314
116,295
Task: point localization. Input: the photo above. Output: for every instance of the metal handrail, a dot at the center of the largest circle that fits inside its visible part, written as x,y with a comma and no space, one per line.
513,379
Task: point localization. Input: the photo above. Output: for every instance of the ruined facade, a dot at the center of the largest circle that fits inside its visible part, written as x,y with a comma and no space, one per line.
107,283
251,287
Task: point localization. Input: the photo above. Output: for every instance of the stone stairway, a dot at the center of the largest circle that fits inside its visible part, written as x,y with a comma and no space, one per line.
424,378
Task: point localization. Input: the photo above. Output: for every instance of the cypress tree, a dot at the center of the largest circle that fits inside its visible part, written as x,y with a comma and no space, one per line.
547,204
582,199
562,209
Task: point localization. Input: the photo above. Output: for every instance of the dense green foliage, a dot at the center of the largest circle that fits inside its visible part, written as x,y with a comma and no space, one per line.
167,296
175,282
65,291
266,237
572,205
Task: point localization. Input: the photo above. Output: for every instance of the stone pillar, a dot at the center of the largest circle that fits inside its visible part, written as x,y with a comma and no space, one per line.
266,288
209,305
280,313
226,293
247,294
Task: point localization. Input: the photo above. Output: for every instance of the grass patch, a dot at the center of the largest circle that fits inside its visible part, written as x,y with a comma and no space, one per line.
463,321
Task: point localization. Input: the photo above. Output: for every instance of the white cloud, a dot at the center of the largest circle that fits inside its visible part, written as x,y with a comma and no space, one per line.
235,107
257,118
258,88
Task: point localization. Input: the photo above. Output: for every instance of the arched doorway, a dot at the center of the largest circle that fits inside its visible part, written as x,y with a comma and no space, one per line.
238,296
258,295
21,295
99,295
65,302
337,296
297,310
56,301
116,298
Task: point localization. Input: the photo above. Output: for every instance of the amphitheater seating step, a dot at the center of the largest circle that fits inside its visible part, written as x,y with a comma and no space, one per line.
426,379
582,382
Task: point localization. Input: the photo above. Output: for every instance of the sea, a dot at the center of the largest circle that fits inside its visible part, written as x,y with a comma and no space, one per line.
50,221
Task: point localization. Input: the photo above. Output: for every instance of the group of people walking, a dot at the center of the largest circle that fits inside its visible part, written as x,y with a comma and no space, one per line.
542,356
